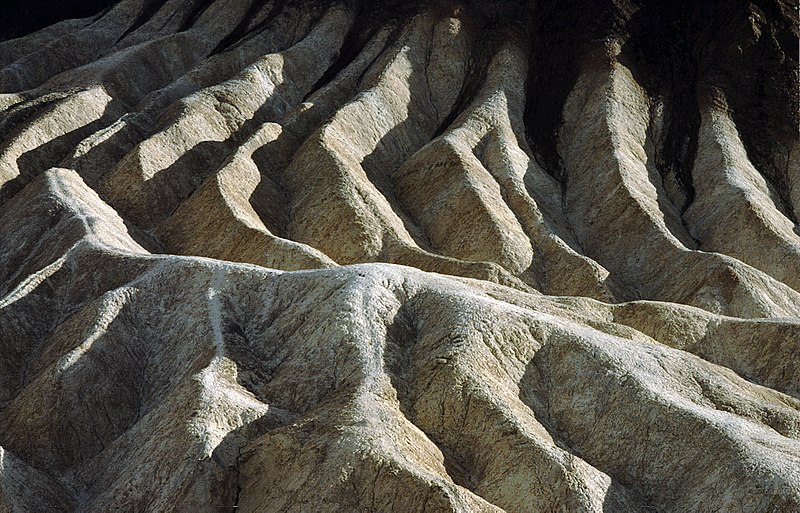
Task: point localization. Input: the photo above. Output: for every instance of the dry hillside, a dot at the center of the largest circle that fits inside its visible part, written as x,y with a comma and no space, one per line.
295,255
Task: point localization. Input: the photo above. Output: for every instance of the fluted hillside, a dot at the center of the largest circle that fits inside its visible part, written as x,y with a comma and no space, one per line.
294,255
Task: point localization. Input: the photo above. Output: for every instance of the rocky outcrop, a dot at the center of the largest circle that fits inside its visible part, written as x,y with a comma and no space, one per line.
334,256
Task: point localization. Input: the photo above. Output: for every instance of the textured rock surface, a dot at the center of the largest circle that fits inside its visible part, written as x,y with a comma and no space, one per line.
381,256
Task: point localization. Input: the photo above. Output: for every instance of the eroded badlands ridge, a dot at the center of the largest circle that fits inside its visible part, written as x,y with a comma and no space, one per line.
600,200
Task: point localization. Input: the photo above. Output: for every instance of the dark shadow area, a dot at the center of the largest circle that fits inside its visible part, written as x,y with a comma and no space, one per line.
669,72
560,32
22,17
754,60
746,54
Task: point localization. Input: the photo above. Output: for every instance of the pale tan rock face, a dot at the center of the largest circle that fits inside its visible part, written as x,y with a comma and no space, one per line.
371,256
